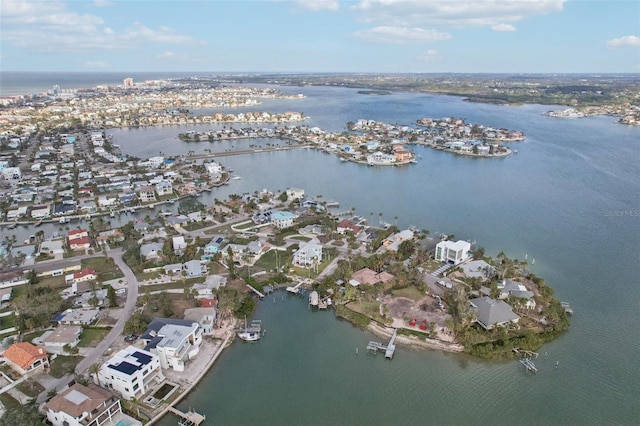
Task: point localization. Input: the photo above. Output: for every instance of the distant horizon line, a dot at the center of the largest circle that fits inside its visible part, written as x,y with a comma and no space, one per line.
323,72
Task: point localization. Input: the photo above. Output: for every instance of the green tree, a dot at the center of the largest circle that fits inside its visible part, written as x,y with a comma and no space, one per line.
111,296
230,263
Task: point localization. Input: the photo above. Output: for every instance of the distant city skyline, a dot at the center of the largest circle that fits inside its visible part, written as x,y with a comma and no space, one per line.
374,36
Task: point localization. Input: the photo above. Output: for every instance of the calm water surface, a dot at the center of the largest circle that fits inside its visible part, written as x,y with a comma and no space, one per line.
569,199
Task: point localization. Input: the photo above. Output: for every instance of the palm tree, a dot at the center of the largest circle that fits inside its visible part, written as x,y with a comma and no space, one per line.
94,369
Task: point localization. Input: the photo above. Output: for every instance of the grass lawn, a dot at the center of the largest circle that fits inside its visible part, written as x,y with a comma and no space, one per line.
63,364
409,292
104,266
268,260
7,322
300,238
8,401
31,388
27,337
90,337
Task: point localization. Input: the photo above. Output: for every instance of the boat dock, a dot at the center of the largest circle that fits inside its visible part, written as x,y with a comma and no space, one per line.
388,349
295,289
190,418
256,291
529,365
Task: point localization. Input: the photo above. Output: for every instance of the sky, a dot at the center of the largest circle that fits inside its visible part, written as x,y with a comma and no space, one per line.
376,36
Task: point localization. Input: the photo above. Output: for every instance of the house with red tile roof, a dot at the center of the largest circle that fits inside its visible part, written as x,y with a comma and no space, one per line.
86,274
77,233
24,357
82,243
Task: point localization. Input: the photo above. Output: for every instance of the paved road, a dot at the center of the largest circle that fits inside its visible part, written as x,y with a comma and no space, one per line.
116,331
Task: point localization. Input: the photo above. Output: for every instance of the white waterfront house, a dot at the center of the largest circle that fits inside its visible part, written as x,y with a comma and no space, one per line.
308,254
452,252
131,372
174,341
282,220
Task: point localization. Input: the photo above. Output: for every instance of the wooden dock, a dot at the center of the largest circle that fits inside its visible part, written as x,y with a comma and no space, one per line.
190,418
388,349
256,291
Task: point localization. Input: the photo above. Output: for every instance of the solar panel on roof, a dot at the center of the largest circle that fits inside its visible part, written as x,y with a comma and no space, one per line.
141,357
125,367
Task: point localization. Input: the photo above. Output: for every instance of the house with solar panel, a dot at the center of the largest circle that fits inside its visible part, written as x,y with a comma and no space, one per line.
131,372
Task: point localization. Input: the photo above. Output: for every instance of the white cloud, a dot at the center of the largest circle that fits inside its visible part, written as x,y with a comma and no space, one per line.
503,27
50,27
96,65
453,13
102,3
626,41
429,55
318,5
166,54
400,35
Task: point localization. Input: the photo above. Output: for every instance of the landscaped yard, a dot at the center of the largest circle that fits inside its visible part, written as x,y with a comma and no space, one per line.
63,365
104,267
90,337
31,388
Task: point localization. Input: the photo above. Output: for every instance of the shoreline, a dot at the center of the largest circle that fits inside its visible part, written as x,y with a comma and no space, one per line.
414,343
196,380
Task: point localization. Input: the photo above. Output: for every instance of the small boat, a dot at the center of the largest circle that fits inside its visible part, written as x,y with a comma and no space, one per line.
165,213
566,307
249,336
236,177
63,220
112,214
39,222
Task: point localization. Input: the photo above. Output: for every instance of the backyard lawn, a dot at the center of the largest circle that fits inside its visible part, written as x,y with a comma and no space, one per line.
90,337
63,365
104,267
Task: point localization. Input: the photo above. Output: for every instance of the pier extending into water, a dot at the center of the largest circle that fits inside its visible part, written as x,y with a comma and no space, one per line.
190,418
388,349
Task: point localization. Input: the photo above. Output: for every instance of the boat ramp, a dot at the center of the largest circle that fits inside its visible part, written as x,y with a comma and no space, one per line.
388,349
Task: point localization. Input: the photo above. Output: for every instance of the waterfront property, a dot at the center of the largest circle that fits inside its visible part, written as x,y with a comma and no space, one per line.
452,252
131,372
90,405
493,313
174,341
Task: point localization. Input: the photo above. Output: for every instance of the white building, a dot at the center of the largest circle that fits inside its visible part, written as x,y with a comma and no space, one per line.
12,174
308,254
179,245
293,193
282,220
174,341
131,372
452,252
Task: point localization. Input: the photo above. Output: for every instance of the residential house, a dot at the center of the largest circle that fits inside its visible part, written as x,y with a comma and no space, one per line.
110,236
452,252
213,246
295,193
392,243
131,372
174,341
147,194
173,269
195,268
205,316
55,340
510,288
346,225
164,187
478,269
205,290
179,245
77,233
309,254
83,316
83,243
493,313
52,247
86,274
151,251
25,357
81,405
282,220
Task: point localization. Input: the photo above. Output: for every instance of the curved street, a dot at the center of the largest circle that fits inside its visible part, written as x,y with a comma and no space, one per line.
116,331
